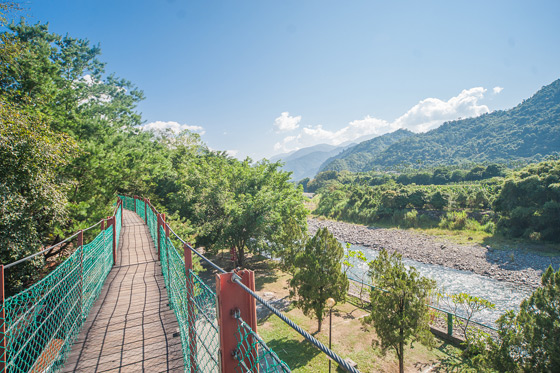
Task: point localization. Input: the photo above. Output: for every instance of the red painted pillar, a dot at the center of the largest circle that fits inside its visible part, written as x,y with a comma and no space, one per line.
159,224
3,337
135,202
231,299
166,227
146,210
111,221
190,307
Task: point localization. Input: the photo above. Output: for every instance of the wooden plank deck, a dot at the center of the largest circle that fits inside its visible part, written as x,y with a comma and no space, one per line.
130,328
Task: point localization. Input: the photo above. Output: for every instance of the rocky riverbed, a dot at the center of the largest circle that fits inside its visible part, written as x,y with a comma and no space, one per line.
513,265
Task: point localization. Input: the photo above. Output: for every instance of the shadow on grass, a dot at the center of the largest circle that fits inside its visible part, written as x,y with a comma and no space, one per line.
452,362
264,278
295,353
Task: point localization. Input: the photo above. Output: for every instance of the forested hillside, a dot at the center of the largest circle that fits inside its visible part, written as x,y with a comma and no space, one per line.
358,157
527,132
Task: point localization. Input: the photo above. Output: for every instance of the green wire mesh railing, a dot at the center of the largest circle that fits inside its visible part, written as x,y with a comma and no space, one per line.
200,305
98,260
141,209
42,322
253,354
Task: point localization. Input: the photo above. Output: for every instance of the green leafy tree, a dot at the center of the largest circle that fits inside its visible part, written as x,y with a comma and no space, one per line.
530,340
319,275
33,195
399,312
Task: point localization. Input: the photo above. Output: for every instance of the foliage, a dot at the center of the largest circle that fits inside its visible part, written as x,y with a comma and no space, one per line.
467,306
33,195
399,312
319,275
529,202
530,340
358,257
234,204
525,203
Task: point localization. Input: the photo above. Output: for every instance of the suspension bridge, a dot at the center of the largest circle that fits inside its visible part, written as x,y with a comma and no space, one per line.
129,301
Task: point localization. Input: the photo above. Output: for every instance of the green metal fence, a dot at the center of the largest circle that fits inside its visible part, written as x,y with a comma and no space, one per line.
253,354
42,322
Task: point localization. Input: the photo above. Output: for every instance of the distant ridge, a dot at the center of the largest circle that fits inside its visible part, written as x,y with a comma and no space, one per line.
357,157
529,132
306,162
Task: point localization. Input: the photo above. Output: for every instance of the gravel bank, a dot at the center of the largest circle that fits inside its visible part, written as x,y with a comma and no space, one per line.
514,265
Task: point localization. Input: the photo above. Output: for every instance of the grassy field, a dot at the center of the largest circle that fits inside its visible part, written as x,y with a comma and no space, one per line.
350,337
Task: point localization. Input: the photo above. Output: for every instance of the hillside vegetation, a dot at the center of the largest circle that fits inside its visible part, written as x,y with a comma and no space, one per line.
525,203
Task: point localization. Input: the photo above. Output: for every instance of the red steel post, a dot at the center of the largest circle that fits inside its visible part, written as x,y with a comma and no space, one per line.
190,307
134,197
231,299
3,337
159,224
111,221
166,227
146,210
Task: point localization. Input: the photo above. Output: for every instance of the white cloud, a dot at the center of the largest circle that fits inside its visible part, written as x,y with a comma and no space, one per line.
175,127
232,153
424,116
497,89
286,123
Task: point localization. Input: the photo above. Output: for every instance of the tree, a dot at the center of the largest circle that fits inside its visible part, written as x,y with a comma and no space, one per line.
33,195
467,306
319,275
399,312
67,84
530,340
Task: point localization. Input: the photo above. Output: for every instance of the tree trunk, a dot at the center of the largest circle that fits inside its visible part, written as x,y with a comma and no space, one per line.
240,256
319,324
401,355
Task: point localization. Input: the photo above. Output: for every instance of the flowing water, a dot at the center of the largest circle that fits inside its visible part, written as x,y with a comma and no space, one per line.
505,295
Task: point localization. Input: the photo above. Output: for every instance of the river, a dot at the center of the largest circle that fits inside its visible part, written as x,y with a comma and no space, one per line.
505,295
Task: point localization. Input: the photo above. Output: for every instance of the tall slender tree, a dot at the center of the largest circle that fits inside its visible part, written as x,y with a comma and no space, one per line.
318,275
399,312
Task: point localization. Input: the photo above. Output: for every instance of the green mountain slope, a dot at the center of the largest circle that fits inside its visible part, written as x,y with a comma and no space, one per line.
358,157
529,131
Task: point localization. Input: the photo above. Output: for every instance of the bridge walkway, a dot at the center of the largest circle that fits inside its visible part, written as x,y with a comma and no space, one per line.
130,328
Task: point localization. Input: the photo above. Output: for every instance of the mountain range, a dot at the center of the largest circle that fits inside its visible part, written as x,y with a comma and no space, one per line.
528,132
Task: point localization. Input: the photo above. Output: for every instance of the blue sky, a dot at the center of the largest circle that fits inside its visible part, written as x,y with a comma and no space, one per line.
259,78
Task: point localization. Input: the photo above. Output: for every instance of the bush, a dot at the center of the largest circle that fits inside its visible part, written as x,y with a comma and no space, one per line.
454,220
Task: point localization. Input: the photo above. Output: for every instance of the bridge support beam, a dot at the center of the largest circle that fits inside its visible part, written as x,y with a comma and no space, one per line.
235,303
190,307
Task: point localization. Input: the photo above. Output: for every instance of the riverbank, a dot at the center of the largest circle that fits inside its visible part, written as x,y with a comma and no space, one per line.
513,265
